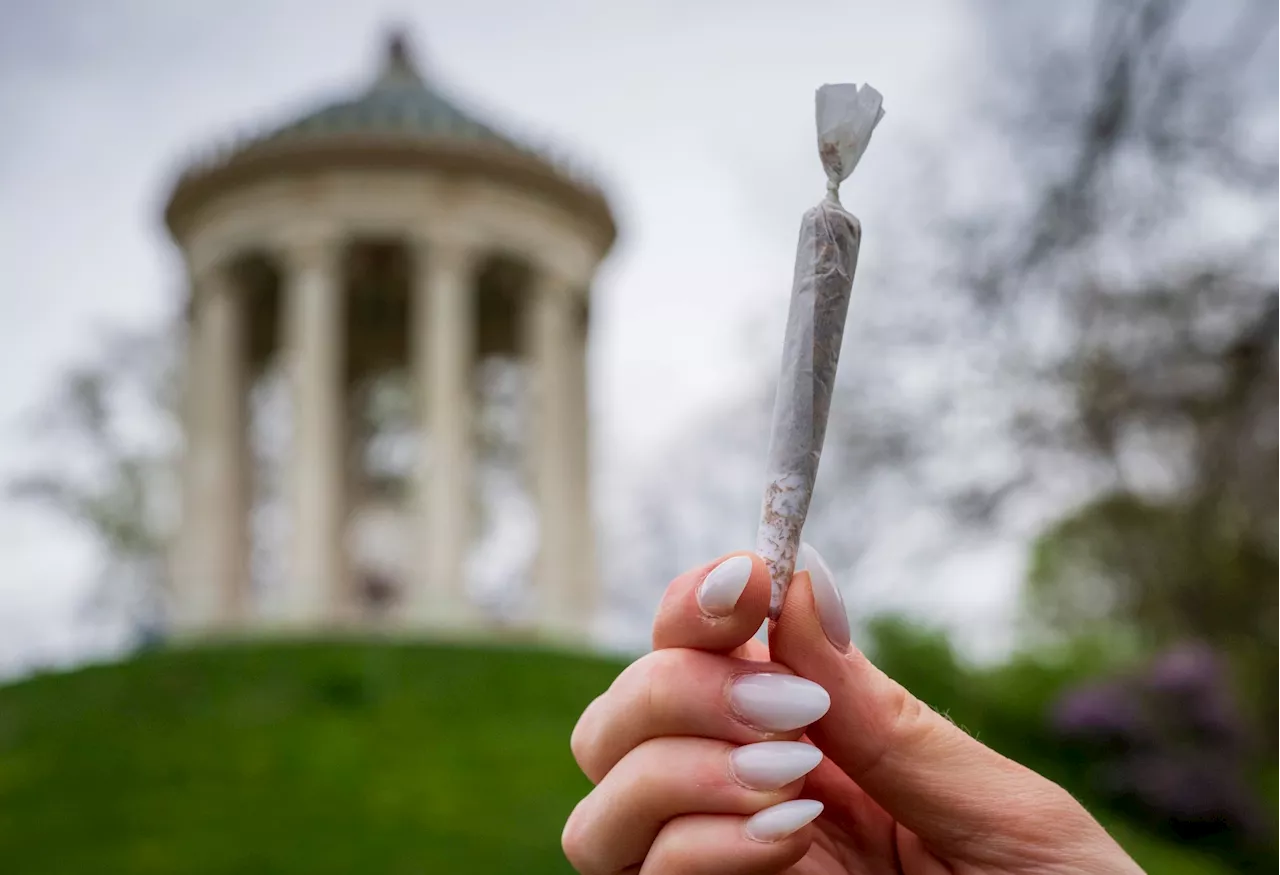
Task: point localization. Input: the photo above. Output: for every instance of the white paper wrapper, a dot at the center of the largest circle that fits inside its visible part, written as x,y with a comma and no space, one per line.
826,257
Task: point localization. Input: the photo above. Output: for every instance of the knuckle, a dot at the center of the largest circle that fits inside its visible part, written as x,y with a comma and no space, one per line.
583,741
904,723
907,717
678,849
573,840
649,679
638,697
645,777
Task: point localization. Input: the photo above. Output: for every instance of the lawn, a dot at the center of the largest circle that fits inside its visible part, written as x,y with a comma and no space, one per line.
307,758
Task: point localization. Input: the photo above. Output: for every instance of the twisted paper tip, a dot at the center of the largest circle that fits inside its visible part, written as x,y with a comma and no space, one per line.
846,115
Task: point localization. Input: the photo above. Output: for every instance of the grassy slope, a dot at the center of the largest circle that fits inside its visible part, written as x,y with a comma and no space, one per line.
308,758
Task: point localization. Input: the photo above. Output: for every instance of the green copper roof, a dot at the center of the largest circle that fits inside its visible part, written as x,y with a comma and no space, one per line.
399,102
398,120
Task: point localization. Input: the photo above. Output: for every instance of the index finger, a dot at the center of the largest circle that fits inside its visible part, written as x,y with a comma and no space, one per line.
717,607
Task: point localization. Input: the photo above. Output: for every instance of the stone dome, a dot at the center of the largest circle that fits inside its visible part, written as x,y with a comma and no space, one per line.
399,119
399,103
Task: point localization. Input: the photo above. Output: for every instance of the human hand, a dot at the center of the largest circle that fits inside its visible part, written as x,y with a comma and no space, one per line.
701,767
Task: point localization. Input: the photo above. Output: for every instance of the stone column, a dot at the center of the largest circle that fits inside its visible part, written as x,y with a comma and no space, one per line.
211,574
563,576
315,363
443,343
584,583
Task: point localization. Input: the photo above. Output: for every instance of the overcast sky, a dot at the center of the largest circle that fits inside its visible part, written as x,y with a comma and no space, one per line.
697,117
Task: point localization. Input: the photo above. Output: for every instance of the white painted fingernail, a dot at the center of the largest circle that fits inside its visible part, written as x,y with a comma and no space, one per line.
776,823
832,616
769,765
720,590
778,702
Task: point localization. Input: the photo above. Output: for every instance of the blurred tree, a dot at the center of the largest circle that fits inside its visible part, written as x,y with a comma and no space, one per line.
1129,294
1148,243
110,429
1161,574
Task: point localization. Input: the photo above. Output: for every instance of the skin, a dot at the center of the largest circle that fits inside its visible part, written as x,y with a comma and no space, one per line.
905,790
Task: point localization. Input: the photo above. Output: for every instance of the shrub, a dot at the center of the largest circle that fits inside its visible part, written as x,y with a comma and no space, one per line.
1170,745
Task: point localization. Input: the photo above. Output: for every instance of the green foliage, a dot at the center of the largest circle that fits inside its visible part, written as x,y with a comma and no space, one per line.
1166,569
1158,574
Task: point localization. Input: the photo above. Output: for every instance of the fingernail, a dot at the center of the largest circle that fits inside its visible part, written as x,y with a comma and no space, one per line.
776,823
826,598
722,587
769,765
778,702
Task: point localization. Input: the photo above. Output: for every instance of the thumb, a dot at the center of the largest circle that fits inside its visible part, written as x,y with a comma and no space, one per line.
928,774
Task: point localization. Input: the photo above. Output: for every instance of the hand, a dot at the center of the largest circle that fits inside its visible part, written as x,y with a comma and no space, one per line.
703,766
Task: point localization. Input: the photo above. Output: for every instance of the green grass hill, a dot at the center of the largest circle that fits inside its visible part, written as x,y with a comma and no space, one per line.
309,758
295,758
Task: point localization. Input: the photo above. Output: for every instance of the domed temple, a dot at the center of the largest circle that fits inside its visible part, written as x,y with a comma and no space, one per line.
389,236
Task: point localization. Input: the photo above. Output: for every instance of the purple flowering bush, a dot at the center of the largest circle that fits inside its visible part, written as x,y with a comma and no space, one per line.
1170,745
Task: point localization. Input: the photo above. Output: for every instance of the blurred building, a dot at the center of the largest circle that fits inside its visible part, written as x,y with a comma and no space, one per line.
390,232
